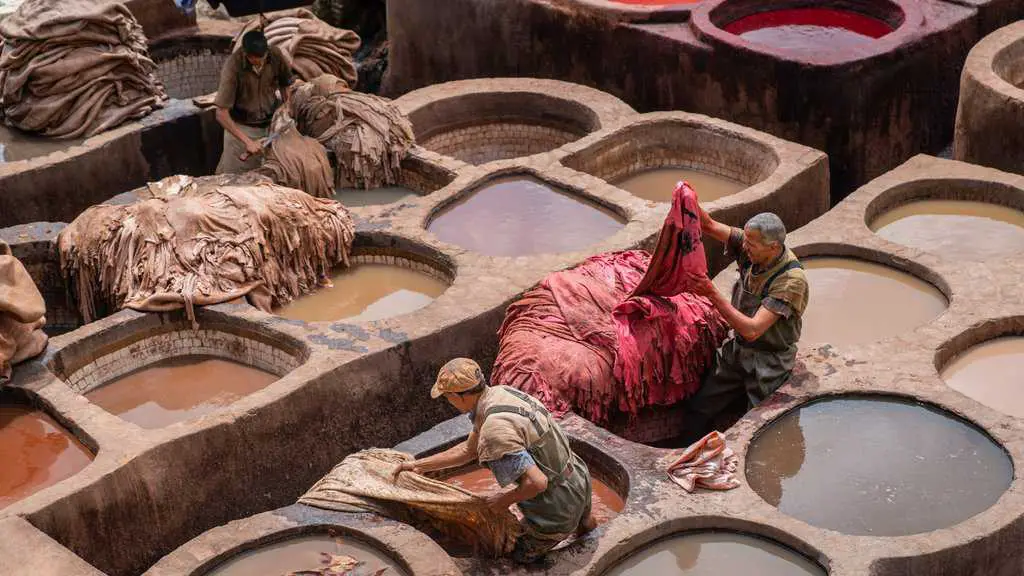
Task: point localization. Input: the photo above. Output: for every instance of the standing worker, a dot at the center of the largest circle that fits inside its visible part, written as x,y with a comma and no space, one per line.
253,83
516,438
768,302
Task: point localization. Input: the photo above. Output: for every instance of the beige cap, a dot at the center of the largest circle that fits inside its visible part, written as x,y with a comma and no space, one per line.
458,375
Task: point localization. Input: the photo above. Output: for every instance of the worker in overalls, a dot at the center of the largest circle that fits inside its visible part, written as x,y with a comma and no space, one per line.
516,438
768,301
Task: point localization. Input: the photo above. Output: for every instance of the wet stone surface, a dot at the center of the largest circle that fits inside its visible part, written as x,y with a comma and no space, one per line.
876,466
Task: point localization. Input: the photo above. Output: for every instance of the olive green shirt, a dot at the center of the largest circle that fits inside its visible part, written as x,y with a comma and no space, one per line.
249,95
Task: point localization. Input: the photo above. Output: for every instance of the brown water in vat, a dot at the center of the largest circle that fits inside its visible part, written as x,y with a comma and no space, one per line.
605,502
991,374
35,452
955,228
365,292
515,216
177,389
305,553
854,301
352,197
714,554
17,145
658,184
876,466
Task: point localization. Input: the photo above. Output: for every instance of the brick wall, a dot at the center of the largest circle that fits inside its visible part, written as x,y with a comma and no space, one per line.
191,74
484,143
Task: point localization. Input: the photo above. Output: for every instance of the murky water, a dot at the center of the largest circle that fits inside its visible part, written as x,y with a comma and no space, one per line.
35,452
16,145
715,554
177,389
515,216
366,292
854,301
955,229
352,197
307,553
991,374
810,30
876,466
658,184
605,502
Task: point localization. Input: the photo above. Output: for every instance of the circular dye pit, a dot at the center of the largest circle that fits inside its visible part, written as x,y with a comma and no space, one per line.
810,30
605,502
655,2
364,292
352,197
658,184
715,554
854,301
310,553
517,216
955,228
178,388
991,374
876,466
36,453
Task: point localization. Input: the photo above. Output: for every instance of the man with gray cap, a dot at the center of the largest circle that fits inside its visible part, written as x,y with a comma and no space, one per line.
765,311
253,83
516,438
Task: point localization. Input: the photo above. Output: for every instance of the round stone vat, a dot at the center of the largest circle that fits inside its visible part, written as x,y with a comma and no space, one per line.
296,538
190,66
807,28
955,218
387,277
38,452
155,378
35,245
416,178
520,214
854,301
986,366
480,121
699,553
648,158
876,465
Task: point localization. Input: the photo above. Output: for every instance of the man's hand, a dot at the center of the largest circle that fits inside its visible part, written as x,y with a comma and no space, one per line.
409,466
706,288
496,502
252,148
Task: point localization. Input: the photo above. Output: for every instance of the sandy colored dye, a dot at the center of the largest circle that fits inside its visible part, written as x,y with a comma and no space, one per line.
177,389
876,466
366,292
35,452
305,553
854,301
516,216
992,373
16,145
715,554
658,184
956,229
351,197
605,502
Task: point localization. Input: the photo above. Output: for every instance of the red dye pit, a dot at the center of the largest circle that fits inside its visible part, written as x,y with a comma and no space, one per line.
810,29
655,2
605,502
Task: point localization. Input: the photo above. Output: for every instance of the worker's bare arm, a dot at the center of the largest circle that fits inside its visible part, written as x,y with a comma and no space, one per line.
713,228
749,328
228,123
530,484
458,455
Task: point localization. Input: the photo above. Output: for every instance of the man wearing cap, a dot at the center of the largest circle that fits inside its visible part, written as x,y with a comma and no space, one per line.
516,438
247,98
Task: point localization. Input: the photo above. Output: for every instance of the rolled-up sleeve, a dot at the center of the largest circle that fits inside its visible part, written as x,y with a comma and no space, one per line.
510,467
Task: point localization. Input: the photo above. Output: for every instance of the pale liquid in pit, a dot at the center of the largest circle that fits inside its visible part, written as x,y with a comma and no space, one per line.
366,292
659,183
605,503
954,228
874,466
715,554
17,145
352,197
515,216
991,374
305,553
35,452
853,301
177,389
